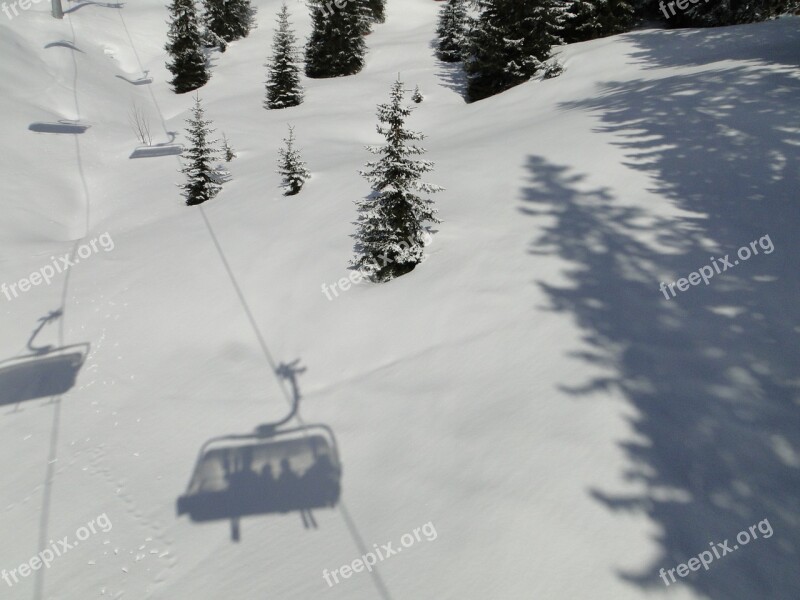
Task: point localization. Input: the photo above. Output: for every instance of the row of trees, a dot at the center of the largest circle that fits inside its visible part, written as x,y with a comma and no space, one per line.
190,34
205,175
336,47
507,42
393,220
503,43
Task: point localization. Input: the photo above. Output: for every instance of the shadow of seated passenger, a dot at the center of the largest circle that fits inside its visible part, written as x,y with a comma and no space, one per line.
321,482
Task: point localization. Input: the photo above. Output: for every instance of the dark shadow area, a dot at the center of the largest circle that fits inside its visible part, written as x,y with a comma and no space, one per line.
451,74
713,374
64,44
144,80
100,4
695,47
42,373
273,470
59,127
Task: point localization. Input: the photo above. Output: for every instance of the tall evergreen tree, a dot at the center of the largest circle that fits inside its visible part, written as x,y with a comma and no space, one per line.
614,16
291,166
336,46
228,20
377,10
202,182
580,21
283,79
391,226
188,63
509,43
452,29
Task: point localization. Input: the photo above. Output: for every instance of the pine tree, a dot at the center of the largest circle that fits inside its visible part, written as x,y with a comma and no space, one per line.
614,16
451,30
227,151
283,80
377,10
417,96
228,20
188,63
202,182
509,43
336,47
291,166
580,22
391,227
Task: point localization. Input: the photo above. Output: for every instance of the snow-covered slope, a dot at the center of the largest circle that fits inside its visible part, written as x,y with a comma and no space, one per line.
528,390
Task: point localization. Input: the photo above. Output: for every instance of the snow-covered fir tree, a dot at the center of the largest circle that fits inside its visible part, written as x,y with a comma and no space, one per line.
614,16
291,167
377,10
509,43
451,31
227,151
580,21
417,96
202,181
187,61
227,20
283,76
336,46
392,220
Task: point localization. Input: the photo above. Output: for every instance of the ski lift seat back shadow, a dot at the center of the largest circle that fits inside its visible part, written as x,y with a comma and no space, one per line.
40,375
45,372
295,469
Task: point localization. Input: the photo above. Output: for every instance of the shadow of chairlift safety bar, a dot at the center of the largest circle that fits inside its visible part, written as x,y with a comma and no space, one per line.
46,372
272,470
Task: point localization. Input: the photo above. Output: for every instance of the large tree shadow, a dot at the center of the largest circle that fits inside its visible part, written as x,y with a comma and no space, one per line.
713,374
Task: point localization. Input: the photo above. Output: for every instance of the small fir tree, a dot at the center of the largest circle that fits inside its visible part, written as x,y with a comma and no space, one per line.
451,30
336,46
202,180
227,151
417,96
283,78
291,166
392,220
187,62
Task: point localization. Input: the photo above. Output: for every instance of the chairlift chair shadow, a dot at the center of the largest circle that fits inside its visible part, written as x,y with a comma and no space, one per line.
295,469
44,372
273,470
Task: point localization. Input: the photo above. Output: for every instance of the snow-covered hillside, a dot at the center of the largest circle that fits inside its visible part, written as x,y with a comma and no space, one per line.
528,391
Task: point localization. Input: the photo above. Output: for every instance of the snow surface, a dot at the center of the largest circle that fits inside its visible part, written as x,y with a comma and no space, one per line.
528,390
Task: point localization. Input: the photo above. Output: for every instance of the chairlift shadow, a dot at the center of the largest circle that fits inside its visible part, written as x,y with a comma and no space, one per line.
64,126
43,373
155,151
143,80
274,470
